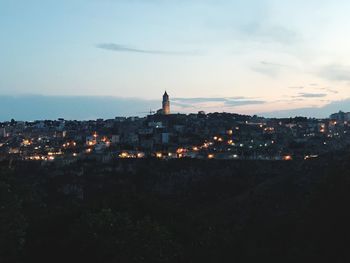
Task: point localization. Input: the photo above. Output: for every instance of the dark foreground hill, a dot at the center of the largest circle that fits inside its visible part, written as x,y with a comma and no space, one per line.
176,211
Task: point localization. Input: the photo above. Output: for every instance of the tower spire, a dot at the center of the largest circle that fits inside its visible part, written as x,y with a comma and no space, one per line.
166,104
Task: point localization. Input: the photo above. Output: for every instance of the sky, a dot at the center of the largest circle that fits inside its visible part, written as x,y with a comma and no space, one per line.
253,56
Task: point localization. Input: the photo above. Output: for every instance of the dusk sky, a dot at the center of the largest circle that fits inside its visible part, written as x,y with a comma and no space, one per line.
252,56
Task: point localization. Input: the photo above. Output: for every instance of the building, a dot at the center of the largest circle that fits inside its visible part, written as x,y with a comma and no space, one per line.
2,132
165,138
347,116
340,116
166,104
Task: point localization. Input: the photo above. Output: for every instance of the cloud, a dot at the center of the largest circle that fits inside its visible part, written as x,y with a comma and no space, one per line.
266,33
298,88
215,102
200,100
311,95
330,90
123,48
335,73
274,64
270,69
234,103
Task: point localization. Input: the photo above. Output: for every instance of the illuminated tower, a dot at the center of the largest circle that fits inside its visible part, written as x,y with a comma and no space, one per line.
166,104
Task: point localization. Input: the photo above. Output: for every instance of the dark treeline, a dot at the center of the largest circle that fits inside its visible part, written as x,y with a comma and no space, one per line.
176,211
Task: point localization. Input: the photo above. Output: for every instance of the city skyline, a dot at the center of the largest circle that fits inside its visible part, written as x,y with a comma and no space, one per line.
253,57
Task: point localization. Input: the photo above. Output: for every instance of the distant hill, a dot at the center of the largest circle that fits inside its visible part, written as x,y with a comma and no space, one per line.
33,107
322,112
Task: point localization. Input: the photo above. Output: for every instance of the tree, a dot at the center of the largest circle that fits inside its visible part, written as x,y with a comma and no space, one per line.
12,225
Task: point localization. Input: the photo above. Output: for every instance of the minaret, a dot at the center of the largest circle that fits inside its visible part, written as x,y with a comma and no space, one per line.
166,104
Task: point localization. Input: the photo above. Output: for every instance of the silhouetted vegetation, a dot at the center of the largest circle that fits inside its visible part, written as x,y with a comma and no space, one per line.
176,211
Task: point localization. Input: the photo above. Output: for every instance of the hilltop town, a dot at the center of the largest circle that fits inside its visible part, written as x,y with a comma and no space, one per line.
166,136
